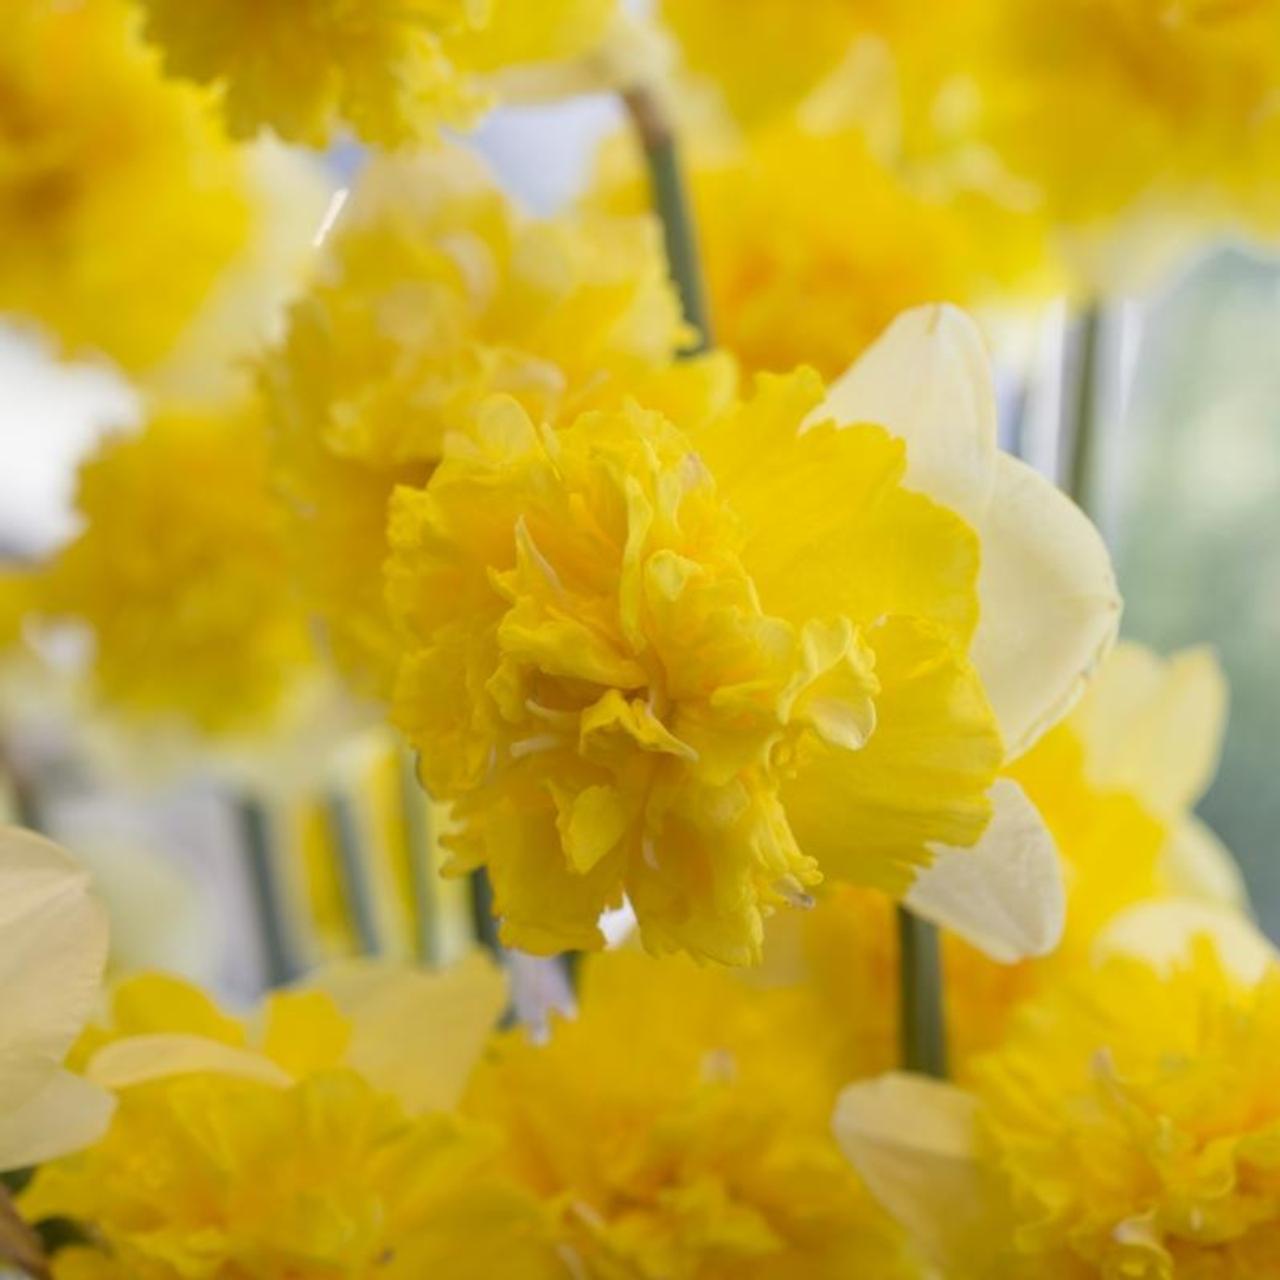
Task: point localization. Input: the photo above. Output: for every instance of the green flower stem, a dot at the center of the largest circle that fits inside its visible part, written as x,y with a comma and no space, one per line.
657,139
416,817
353,873
483,924
922,1031
1083,389
266,889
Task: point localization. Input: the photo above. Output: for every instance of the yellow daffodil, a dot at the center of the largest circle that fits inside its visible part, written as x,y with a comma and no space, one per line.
1130,115
120,204
676,1131
1127,1127
813,243
180,573
53,946
705,665
392,71
320,1143
434,293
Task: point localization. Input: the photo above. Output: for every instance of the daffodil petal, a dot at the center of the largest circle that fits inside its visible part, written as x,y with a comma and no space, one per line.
144,1059
418,1034
1198,865
1155,726
53,946
1050,605
65,1114
1162,934
928,380
913,1141
1005,894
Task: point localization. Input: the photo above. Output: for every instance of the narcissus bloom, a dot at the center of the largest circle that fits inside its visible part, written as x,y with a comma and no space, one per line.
434,293
813,243
180,574
1127,113
321,1145
120,203
676,1131
1127,1127
53,947
706,665
392,71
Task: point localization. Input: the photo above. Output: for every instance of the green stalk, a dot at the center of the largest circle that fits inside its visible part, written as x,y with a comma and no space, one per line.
483,924
657,139
922,1031
266,890
1083,407
422,879
353,872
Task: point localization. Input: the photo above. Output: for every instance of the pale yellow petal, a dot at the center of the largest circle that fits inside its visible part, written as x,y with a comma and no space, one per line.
163,1055
64,1115
928,380
1050,605
1196,864
418,1034
1155,727
1162,933
914,1143
53,945
1004,895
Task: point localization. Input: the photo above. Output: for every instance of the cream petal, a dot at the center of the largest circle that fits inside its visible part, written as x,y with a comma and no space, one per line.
53,946
1198,865
913,1141
1155,726
1004,895
418,1034
1162,934
928,380
1050,604
64,1115
161,1056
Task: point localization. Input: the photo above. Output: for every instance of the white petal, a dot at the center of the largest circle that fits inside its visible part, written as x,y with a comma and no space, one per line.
53,946
1005,894
1050,605
928,380
161,1056
913,1142
1162,933
64,1115
1198,865
418,1034
1154,726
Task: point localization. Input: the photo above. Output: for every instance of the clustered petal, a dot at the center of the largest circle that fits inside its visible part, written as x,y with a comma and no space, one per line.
633,671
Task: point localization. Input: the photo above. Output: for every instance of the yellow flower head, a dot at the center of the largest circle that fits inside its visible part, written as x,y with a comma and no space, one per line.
392,70
677,1132
1127,107
812,243
705,664
1134,1116
635,676
318,1144
435,293
180,573
759,57
1128,1125
119,201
